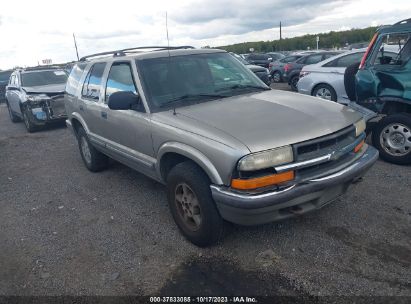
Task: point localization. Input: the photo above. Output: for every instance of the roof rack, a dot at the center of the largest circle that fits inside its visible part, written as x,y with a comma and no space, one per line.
42,67
406,21
135,50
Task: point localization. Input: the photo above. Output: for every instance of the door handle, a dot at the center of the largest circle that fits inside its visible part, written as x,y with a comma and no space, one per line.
104,114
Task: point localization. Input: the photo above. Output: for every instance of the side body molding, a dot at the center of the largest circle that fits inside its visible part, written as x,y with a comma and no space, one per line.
193,154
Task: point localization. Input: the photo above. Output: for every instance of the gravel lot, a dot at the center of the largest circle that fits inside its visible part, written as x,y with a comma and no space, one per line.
64,230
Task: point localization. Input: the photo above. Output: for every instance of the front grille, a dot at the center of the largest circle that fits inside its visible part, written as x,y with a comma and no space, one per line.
330,144
324,145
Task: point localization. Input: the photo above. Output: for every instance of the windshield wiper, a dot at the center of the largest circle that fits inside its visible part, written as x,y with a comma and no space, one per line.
244,86
191,96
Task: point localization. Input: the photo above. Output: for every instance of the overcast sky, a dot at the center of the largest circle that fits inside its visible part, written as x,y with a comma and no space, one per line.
42,29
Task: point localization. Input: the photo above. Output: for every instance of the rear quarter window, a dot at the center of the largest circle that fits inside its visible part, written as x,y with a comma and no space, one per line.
74,78
92,84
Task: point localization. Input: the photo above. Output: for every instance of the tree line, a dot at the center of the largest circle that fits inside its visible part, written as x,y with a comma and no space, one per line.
329,40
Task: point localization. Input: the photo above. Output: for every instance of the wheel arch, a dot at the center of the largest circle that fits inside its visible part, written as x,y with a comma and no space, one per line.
395,106
77,121
172,153
321,83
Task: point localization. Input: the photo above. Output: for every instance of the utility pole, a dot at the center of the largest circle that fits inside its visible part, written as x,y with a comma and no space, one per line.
318,40
75,45
280,37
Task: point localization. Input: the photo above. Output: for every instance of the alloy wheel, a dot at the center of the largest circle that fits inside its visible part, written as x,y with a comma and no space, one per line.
323,93
188,206
85,150
276,77
396,139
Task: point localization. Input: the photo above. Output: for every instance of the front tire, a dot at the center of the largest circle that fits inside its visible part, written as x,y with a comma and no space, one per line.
325,91
392,137
94,160
13,117
293,83
27,122
192,206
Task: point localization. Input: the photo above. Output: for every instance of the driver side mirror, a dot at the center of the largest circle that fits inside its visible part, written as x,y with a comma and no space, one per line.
123,100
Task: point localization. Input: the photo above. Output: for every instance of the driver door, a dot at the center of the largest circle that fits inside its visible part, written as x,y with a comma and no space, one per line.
127,132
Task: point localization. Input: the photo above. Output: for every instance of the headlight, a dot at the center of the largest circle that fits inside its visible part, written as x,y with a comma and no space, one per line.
37,98
359,127
266,159
303,73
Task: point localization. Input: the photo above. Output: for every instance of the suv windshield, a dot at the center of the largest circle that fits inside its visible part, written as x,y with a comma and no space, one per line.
184,80
4,76
41,78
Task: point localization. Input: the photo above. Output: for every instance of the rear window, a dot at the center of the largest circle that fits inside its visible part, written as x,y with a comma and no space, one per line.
258,57
290,59
345,61
42,78
312,59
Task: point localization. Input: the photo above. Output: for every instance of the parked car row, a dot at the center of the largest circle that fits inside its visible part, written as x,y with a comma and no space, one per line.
259,71
225,144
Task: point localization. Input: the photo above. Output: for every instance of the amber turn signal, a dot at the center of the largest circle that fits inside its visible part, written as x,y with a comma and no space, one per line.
259,182
359,146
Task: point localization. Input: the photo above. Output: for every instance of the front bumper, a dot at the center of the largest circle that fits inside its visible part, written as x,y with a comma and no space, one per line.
295,200
45,118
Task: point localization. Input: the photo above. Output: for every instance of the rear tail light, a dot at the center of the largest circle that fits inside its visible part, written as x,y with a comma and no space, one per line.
370,46
287,67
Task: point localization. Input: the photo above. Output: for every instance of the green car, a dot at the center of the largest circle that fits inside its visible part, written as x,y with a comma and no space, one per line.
382,83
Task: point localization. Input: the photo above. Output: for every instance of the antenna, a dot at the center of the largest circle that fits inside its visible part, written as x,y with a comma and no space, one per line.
168,40
75,44
169,56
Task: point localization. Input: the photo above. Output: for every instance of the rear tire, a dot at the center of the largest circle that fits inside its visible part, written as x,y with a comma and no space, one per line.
392,137
192,206
325,91
293,83
94,160
13,117
349,81
276,77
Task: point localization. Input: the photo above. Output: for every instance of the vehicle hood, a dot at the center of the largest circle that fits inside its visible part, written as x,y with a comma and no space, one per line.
255,68
264,120
52,88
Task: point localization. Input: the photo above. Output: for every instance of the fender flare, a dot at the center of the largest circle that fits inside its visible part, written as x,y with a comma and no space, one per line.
78,117
191,153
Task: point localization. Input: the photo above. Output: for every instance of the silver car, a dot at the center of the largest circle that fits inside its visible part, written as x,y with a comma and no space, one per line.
35,95
326,78
225,145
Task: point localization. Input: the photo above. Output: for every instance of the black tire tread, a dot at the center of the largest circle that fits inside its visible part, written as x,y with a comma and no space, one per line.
13,117
211,230
99,161
349,80
403,118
